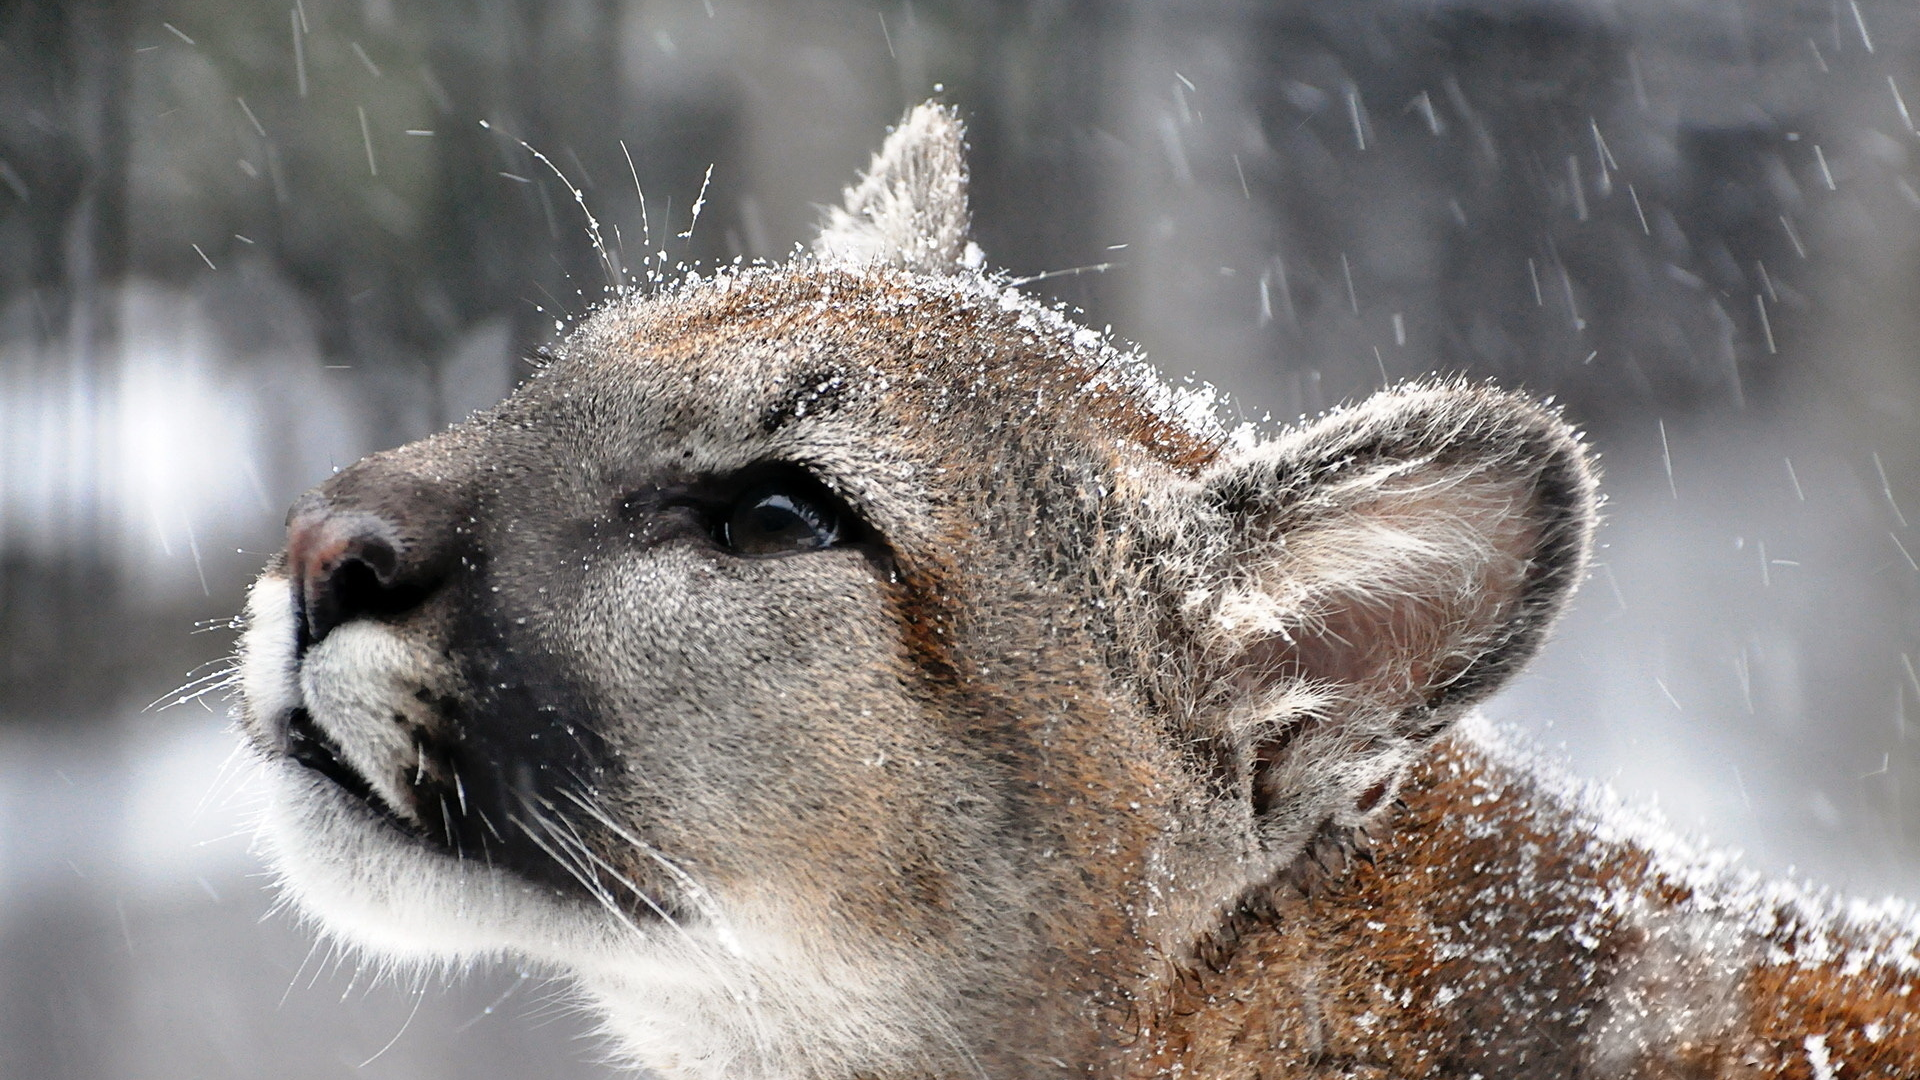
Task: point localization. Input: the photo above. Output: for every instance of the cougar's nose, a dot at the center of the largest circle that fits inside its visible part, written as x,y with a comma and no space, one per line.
366,545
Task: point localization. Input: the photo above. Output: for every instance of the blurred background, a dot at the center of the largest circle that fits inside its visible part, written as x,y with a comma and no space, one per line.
246,243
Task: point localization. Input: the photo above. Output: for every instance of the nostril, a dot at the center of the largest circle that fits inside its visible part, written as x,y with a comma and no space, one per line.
367,583
378,556
374,541
346,567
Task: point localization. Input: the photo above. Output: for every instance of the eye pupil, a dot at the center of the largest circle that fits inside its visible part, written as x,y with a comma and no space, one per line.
776,520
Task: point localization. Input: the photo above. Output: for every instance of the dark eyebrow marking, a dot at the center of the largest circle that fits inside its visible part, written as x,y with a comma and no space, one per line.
811,392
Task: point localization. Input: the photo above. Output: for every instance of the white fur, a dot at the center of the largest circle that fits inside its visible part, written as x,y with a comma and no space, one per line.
358,877
267,649
781,1005
357,683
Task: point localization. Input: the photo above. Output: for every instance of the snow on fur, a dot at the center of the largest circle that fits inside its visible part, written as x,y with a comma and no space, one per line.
909,209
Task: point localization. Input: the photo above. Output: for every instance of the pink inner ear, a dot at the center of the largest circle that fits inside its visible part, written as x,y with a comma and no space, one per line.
1398,594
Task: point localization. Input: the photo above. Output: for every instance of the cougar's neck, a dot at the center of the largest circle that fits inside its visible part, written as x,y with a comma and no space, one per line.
1507,923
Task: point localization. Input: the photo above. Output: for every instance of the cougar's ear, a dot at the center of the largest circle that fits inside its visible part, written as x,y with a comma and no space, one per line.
910,207
1367,578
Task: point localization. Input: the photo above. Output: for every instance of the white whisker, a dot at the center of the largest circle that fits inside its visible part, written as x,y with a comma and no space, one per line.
578,873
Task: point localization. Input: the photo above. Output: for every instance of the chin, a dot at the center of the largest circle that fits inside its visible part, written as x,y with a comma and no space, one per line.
358,874
350,871
686,999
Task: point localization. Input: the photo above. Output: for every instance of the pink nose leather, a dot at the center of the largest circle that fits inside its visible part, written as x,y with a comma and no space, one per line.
374,541
343,564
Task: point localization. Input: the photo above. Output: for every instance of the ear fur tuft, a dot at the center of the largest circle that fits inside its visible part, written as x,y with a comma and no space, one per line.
909,210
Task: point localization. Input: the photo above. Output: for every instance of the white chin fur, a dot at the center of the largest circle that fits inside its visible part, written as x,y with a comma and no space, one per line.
776,1009
698,1001
360,878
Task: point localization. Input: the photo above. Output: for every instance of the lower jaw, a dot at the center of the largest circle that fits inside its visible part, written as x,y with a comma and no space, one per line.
378,885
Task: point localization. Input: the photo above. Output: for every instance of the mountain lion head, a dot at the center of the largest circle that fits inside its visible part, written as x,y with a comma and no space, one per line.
856,668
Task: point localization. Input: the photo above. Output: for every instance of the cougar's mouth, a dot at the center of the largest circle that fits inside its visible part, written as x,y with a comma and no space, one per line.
389,722
313,748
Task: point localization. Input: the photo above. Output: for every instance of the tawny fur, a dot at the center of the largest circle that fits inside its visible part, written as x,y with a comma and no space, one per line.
1107,744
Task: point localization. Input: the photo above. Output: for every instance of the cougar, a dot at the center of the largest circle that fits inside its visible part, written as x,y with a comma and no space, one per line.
854,668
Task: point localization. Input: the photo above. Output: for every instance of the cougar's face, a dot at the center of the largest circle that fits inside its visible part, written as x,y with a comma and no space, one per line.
658,663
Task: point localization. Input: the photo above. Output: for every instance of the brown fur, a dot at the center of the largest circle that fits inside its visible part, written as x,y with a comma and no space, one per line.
1377,969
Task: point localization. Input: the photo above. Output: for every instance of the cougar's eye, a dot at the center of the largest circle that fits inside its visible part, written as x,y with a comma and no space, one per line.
780,518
